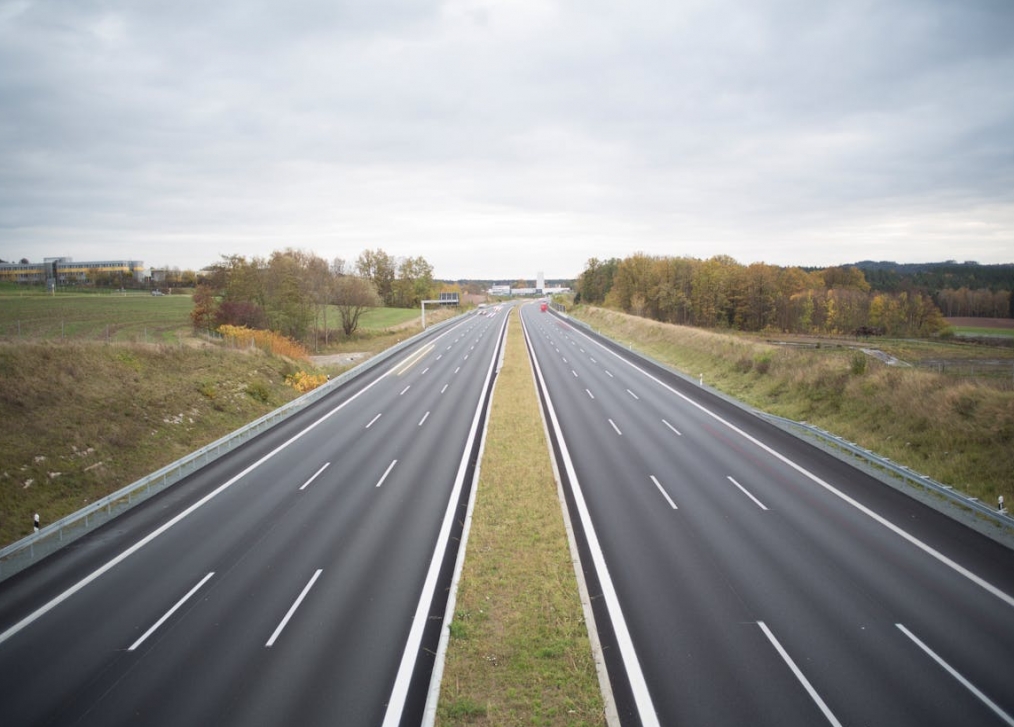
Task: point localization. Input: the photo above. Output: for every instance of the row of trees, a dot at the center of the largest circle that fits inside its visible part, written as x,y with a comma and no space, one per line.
292,291
983,302
720,292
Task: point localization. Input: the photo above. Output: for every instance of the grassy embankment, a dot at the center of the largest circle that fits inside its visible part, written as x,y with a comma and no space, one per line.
959,431
519,650
80,419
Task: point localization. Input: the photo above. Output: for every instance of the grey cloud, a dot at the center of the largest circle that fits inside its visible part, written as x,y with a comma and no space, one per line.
566,129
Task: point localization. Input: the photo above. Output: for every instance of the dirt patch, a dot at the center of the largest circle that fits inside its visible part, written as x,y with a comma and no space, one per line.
340,359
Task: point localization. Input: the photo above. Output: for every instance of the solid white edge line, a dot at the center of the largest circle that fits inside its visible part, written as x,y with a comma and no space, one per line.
436,677
664,493
292,609
628,655
373,420
954,673
109,565
612,716
677,431
757,502
615,427
929,550
316,474
387,472
799,675
170,612
399,692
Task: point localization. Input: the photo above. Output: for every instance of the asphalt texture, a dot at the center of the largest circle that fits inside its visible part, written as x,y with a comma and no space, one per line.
760,580
278,585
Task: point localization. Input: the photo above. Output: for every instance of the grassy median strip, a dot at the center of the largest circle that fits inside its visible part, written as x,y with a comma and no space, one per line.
519,651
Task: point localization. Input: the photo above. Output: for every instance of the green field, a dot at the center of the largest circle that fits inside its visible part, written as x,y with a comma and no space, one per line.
983,331
87,316
30,314
376,318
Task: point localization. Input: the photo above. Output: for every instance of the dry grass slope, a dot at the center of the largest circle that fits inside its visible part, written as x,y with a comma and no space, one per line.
958,431
81,420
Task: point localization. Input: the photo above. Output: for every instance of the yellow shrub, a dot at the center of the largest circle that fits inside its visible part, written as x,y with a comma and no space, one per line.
269,341
304,382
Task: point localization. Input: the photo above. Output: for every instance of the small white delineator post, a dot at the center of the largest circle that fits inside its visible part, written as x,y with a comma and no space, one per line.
702,379
1000,506
35,522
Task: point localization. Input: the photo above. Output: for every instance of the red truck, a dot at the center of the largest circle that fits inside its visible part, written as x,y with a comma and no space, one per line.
544,306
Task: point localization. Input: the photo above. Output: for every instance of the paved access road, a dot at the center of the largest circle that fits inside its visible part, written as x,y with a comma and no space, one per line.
741,577
290,582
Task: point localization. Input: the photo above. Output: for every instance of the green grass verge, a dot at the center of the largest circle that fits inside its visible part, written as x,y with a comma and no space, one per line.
519,651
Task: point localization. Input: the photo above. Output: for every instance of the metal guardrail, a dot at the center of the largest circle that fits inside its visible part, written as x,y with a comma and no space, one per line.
847,451
19,555
887,466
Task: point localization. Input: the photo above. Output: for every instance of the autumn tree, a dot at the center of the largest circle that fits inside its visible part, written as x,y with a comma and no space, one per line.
594,284
379,267
414,283
202,315
353,295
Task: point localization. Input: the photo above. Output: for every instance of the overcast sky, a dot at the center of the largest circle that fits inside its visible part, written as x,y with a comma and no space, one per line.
499,139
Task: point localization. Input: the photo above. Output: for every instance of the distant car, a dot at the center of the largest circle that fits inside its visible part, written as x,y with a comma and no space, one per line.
157,292
544,306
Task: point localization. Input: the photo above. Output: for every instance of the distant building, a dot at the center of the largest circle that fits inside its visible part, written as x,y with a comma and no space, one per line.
63,270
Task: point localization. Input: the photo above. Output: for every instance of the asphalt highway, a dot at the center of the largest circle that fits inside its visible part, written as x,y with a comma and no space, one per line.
297,580
740,576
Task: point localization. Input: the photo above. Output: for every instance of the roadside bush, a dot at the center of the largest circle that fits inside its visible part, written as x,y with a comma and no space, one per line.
269,341
858,363
258,391
304,382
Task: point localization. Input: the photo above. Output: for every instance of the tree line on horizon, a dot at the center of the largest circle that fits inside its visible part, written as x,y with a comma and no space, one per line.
290,291
721,293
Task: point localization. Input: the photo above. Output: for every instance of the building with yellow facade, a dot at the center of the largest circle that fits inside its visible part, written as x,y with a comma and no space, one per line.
64,271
